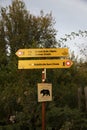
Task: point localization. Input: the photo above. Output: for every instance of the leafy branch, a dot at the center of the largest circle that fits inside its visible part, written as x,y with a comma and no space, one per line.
82,47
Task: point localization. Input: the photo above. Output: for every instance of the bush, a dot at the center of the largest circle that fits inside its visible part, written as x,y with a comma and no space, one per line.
10,127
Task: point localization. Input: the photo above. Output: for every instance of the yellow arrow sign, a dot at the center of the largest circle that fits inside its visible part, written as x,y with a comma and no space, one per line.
51,63
43,52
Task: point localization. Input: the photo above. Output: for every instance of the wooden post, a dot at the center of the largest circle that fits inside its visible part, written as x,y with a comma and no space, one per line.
43,103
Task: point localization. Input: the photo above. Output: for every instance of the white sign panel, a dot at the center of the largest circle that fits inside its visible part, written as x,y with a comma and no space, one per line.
44,92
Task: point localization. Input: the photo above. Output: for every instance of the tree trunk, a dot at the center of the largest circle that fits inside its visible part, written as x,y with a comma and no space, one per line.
85,92
79,97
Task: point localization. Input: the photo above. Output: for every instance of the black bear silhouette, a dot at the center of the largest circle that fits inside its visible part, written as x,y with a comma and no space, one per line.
45,92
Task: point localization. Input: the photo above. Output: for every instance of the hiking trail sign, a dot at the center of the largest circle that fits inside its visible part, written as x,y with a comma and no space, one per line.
46,63
44,89
43,63
43,52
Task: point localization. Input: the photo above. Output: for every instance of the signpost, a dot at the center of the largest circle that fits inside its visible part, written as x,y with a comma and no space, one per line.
43,103
46,63
43,64
43,52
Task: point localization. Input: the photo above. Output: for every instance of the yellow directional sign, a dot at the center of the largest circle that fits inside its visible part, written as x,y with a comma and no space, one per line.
43,52
50,63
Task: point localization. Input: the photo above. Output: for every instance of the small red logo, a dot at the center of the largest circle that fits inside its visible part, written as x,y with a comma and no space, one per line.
20,53
68,63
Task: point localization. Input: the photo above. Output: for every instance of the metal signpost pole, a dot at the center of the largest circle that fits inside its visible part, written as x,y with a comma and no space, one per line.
43,103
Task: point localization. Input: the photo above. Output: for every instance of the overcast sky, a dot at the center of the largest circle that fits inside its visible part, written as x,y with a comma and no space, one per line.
70,15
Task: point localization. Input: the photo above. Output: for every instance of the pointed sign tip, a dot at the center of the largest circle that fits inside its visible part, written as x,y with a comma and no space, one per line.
19,53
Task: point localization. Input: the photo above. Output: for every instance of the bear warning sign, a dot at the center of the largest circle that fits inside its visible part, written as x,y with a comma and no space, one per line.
44,92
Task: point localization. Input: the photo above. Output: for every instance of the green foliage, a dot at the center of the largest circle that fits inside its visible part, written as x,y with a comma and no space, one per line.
65,118
18,97
80,34
25,30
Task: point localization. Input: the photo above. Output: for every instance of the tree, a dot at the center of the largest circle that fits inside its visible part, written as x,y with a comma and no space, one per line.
20,29
82,47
